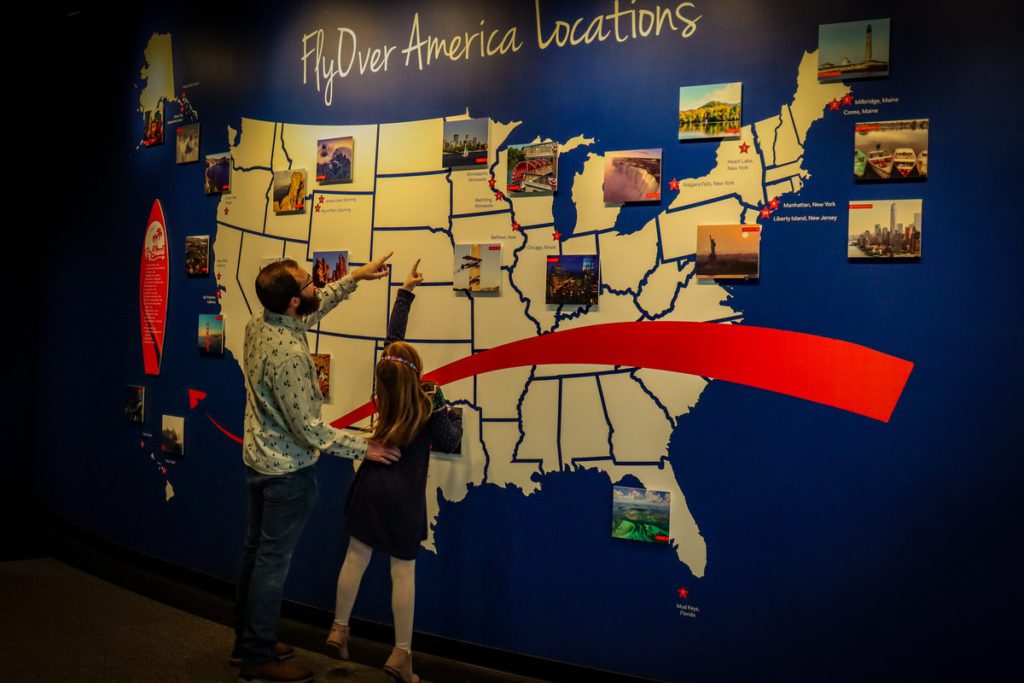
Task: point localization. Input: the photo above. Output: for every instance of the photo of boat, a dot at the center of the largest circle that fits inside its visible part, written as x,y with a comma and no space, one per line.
880,147
860,163
880,161
905,161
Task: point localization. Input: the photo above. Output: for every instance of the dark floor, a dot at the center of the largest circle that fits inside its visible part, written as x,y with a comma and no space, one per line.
59,623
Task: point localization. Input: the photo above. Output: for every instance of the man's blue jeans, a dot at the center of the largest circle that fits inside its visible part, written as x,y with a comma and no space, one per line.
278,508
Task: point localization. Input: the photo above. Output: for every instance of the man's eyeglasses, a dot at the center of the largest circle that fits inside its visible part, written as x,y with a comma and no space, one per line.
308,283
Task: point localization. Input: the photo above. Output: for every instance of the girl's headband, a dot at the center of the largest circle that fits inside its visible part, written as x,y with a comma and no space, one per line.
403,361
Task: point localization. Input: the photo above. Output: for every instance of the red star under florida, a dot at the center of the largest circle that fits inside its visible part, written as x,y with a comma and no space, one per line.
847,99
765,212
673,184
774,203
744,148
683,593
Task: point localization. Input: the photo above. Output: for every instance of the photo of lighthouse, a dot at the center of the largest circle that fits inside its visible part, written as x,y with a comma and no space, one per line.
854,49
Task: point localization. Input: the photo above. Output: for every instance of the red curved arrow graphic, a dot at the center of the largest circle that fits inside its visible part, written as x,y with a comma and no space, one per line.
828,371
224,431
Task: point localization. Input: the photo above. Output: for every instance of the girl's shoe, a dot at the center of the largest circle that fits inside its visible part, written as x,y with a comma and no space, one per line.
399,666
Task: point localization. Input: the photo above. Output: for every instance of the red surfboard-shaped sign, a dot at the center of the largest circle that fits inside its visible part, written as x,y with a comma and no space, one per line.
154,277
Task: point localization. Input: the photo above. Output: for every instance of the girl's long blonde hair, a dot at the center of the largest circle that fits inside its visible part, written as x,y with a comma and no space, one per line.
403,407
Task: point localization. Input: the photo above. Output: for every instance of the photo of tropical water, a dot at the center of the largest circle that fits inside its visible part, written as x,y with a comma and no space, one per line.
640,514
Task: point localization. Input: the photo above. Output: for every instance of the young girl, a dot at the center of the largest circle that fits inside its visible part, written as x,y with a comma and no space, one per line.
387,504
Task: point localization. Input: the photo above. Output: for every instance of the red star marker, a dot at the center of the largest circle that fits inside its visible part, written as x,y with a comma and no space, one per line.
673,184
834,105
516,226
765,212
683,593
556,235
847,99
744,148
218,276
774,203
316,208
499,196
225,211
218,293
491,182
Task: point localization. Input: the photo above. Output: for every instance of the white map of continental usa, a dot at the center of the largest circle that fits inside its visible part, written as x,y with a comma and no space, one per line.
519,423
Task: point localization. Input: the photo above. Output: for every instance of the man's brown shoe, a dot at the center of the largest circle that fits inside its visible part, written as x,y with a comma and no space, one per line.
275,671
281,651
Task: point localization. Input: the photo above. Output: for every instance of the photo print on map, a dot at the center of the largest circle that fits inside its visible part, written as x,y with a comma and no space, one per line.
465,144
217,178
322,363
153,126
728,252
640,514
477,268
853,50
211,334
632,176
885,230
891,150
135,403
334,159
289,192
573,280
186,150
197,255
710,112
532,169
172,437
328,267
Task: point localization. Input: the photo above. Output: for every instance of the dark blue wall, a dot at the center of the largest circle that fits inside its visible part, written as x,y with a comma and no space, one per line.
839,547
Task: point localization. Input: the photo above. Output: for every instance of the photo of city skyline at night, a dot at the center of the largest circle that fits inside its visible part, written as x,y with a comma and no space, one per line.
465,143
853,49
532,169
640,514
728,252
632,176
573,280
891,150
334,158
329,266
887,229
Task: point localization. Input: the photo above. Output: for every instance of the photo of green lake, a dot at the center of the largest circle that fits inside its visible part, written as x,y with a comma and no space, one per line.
640,514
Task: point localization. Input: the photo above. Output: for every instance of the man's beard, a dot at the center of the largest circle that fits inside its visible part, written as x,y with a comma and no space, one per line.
307,306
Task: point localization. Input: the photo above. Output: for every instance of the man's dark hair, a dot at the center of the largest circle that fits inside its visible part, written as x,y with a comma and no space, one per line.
276,285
